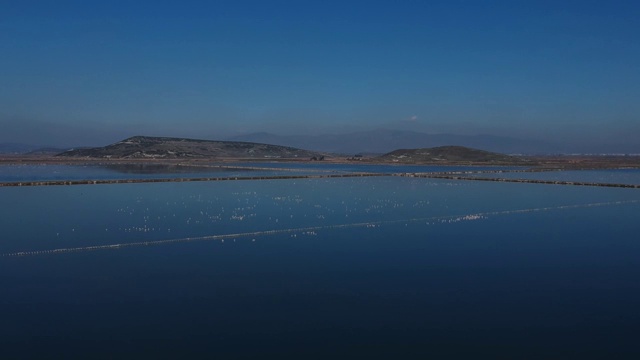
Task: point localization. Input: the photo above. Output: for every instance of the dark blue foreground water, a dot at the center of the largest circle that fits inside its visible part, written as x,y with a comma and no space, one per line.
421,268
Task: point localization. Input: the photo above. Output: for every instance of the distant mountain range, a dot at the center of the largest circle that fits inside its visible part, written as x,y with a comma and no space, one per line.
382,141
146,147
16,148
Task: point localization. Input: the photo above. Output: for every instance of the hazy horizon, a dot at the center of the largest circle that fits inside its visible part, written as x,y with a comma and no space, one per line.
89,74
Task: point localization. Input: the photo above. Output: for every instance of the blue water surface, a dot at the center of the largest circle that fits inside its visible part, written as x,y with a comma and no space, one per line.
49,172
384,267
374,168
610,176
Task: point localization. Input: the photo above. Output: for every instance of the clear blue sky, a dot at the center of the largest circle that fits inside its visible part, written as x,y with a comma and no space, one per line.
92,72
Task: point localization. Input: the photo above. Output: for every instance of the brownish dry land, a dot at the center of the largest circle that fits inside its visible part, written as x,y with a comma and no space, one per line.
541,162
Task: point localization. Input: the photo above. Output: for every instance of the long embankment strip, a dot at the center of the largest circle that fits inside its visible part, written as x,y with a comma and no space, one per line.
165,180
526,181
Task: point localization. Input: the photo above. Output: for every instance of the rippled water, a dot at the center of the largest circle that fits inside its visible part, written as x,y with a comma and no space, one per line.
14,173
376,168
614,176
349,267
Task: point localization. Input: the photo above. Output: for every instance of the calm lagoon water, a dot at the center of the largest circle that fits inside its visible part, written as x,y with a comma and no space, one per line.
618,176
374,168
363,267
14,173
11,173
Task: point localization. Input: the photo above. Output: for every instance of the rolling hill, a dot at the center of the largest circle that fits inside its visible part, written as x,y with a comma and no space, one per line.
145,147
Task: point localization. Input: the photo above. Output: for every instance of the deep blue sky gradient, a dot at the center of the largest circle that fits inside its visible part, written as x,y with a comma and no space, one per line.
90,73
